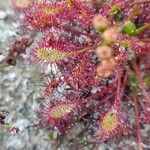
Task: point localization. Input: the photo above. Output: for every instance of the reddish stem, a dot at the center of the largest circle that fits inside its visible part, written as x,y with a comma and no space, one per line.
139,138
146,40
103,91
121,86
118,95
104,100
138,74
77,32
84,49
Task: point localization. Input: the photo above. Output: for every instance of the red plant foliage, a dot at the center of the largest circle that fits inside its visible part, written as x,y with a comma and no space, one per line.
86,73
60,114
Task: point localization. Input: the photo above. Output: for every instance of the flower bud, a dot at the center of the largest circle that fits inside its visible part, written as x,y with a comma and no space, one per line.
100,23
102,73
108,64
104,52
109,35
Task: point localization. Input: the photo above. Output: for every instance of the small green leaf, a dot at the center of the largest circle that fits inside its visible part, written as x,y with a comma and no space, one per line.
129,28
118,16
114,9
116,12
134,83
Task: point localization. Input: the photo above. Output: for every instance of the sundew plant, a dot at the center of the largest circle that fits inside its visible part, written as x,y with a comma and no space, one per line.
98,54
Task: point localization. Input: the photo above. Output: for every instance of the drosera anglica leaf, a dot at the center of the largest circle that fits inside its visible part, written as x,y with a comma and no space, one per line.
59,114
49,55
112,124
